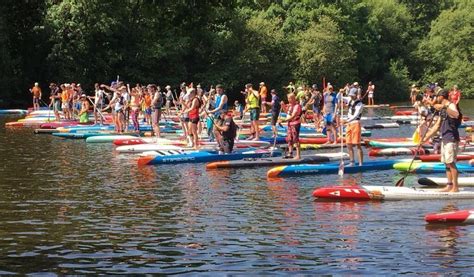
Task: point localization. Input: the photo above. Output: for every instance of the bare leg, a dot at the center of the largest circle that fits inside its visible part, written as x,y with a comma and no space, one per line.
351,153
360,154
298,156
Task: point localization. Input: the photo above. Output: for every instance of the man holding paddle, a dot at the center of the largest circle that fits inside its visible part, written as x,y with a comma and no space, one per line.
353,129
448,123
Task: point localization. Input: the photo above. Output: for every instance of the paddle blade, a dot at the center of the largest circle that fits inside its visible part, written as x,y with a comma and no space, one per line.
400,182
416,137
341,169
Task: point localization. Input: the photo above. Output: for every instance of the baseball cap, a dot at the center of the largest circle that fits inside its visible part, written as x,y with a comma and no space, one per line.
443,92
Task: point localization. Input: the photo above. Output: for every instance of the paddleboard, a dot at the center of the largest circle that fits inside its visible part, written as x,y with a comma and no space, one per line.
380,152
454,217
437,157
273,161
382,126
422,167
332,168
106,138
380,193
200,156
443,181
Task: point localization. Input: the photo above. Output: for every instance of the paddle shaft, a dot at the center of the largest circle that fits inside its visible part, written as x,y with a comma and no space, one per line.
400,182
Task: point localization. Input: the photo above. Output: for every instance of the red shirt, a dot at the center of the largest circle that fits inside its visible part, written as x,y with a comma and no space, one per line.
297,119
455,96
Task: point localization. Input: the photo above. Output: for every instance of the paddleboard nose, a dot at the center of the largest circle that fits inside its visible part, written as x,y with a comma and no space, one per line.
145,160
216,165
275,172
342,193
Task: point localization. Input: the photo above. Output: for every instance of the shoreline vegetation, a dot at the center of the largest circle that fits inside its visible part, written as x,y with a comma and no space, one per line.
393,43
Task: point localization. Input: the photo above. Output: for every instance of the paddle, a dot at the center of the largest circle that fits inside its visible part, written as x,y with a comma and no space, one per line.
401,182
96,109
341,163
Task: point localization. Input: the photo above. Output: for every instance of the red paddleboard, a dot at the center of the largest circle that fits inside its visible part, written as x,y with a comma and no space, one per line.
315,140
120,142
437,158
406,112
353,193
380,152
459,217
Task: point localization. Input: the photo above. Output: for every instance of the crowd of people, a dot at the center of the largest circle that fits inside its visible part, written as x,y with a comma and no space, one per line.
199,109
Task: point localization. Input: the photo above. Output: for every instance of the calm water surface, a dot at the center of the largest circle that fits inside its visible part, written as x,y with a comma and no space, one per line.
71,208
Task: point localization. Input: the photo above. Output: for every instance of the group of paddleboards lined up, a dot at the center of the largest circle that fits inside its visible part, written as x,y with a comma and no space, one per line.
198,126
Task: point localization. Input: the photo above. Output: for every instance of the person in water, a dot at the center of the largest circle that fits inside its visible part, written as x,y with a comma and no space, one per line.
448,123
353,129
36,92
226,132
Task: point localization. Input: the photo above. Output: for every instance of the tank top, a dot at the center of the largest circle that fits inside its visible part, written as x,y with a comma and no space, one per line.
352,109
218,103
194,113
253,101
297,119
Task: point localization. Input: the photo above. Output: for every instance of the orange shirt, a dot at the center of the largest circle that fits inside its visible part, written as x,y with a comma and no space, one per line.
36,91
65,96
147,101
263,92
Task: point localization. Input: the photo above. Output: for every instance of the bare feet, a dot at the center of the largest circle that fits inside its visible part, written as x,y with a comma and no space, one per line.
297,158
448,188
454,189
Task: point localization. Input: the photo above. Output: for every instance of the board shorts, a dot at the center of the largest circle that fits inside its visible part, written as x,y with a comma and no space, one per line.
254,114
156,116
275,117
293,134
227,145
148,111
449,152
194,120
77,105
57,106
35,100
353,132
328,119
84,118
65,105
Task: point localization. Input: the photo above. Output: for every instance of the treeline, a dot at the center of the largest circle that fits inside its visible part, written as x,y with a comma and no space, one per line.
391,42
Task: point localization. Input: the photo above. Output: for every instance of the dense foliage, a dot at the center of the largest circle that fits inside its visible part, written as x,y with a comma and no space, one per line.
390,42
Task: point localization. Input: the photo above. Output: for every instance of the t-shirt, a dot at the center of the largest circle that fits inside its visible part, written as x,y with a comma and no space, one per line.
253,100
231,132
276,106
455,96
449,127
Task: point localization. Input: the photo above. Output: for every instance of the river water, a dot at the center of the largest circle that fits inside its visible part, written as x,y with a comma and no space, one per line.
71,208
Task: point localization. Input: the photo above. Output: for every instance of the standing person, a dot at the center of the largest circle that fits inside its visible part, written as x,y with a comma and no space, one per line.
225,132
83,113
156,105
55,96
65,95
147,106
455,95
253,105
294,125
275,108
329,109
193,112
220,104
117,104
239,109
263,92
353,129
413,93
184,119
135,101
169,99
358,90
315,102
370,93
98,104
36,92
448,124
